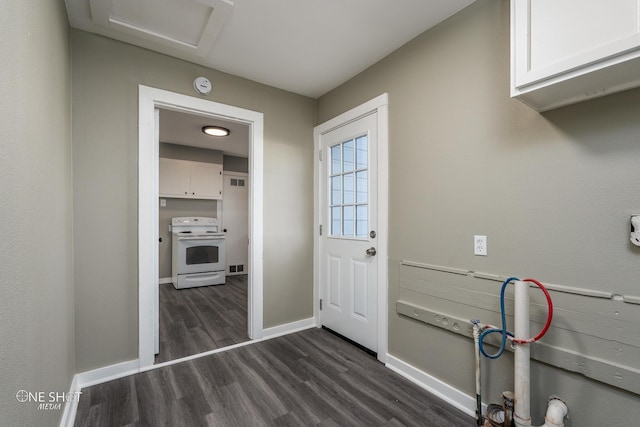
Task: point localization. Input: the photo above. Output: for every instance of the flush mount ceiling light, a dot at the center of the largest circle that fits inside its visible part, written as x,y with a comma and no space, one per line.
216,131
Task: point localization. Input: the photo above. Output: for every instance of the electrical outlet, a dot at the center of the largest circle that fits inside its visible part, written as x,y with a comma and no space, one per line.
480,245
635,230
163,203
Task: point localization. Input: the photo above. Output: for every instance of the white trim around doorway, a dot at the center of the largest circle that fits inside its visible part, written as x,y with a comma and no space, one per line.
149,99
380,105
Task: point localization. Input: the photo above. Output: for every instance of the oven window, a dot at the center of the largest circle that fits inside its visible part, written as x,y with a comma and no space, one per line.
202,255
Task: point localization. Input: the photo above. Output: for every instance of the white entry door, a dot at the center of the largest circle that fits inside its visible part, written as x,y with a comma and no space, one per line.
348,216
235,220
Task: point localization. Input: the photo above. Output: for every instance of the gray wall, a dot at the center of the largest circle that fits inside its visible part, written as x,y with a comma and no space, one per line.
553,192
36,277
185,152
105,191
236,164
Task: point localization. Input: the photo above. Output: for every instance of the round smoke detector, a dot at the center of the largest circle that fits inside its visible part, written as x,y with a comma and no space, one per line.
202,85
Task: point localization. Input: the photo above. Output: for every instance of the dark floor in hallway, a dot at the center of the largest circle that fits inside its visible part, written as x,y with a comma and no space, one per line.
310,378
195,320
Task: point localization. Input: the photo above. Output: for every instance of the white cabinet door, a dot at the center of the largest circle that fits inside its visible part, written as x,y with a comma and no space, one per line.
174,178
192,180
566,51
206,180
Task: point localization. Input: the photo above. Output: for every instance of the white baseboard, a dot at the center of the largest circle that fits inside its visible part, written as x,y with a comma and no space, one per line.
89,378
440,389
108,373
289,328
164,280
71,406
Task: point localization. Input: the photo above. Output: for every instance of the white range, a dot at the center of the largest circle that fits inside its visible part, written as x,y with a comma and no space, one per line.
198,250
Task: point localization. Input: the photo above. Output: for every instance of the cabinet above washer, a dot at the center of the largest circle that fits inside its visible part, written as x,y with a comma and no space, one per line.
568,51
190,180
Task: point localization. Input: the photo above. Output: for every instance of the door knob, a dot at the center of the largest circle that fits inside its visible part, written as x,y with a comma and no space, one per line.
371,251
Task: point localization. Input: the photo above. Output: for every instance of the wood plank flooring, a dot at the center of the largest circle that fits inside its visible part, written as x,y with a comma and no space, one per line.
310,378
195,320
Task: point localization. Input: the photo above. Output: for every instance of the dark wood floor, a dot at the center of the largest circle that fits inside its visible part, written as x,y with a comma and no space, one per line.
195,320
310,378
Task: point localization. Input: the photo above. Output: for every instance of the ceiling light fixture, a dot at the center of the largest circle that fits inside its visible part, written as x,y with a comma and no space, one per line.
216,131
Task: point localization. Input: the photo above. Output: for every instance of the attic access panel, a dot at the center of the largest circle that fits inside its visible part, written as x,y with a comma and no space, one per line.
155,20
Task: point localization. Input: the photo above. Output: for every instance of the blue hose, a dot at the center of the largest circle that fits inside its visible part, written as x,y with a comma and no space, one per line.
503,331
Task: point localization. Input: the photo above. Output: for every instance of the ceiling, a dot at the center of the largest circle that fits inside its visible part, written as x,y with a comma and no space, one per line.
303,46
186,129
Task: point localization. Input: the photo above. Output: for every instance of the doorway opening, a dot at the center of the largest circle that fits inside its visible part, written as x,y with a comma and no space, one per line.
150,101
200,306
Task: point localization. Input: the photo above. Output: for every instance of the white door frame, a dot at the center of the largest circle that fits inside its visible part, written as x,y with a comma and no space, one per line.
148,100
380,106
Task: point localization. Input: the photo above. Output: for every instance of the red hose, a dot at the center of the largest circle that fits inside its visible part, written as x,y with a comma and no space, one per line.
549,315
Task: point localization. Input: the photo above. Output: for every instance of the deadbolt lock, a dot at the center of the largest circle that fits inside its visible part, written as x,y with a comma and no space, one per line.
372,234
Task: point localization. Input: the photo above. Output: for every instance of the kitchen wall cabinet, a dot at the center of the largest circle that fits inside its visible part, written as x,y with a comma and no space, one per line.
567,51
190,180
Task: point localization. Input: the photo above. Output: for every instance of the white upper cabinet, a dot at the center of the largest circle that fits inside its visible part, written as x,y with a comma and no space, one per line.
190,180
567,51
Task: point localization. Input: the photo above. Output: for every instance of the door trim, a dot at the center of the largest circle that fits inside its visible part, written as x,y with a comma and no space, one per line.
148,153
379,105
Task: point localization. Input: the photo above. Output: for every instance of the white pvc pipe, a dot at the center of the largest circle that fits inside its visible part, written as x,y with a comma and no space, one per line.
521,404
556,412
556,409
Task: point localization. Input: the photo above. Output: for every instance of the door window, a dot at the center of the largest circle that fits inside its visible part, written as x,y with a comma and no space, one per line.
349,188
